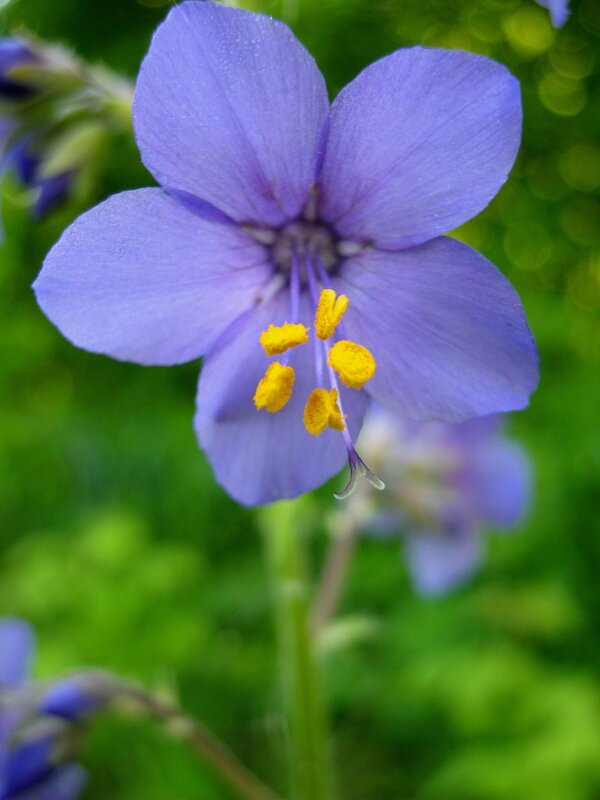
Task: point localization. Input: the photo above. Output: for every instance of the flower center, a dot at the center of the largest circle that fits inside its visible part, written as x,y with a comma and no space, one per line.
304,237
352,363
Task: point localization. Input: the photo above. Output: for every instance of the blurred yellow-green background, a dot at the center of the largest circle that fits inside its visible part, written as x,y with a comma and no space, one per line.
119,547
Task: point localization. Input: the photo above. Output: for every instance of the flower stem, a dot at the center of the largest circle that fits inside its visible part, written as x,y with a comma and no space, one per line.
308,739
334,574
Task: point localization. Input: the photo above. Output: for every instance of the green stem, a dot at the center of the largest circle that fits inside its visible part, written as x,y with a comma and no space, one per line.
309,745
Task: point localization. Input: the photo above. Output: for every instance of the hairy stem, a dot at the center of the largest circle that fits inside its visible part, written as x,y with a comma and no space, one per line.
212,749
308,736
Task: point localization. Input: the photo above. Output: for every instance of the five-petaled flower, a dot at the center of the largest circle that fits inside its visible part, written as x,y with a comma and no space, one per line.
324,222
445,485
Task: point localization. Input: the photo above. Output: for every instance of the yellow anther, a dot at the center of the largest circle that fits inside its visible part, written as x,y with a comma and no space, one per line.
352,362
322,410
329,312
275,389
279,338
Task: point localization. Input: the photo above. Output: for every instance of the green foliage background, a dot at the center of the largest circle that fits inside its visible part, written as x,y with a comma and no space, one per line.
119,547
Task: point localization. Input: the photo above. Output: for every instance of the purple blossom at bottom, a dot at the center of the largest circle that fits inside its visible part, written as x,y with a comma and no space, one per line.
271,196
445,485
559,10
36,726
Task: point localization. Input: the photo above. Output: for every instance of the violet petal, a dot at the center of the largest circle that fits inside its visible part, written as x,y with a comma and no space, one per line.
143,278
16,647
437,560
447,330
498,480
418,143
229,106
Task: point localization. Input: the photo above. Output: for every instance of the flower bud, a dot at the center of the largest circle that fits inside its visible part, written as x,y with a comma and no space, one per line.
56,114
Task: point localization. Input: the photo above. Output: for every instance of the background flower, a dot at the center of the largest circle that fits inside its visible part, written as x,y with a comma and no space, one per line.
445,485
56,116
33,746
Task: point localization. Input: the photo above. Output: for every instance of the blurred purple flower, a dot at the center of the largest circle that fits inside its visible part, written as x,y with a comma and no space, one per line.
446,483
270,195
34,734
22,143
55,115
559,10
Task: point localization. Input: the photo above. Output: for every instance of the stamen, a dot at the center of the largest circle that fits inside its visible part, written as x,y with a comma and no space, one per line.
357,467
322,410
329,312
353,363
275,389
279,338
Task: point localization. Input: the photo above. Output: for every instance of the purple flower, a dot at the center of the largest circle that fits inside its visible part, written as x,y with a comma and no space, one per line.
559,10
275,203
32,744
22,142
445,484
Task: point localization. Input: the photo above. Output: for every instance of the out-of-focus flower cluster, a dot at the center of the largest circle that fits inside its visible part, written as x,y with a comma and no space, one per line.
56,115
445,484
39,725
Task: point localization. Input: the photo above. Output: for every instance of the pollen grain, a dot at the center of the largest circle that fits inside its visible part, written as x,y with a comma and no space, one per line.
279,338
275,389
353,363
322,410
330,310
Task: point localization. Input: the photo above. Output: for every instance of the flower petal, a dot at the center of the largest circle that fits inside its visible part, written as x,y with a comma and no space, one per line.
52,192
16,646
64,783
559,11
418,143
144,278
499,481
29,762
71,699
260,457
229,106
447,331
439,560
